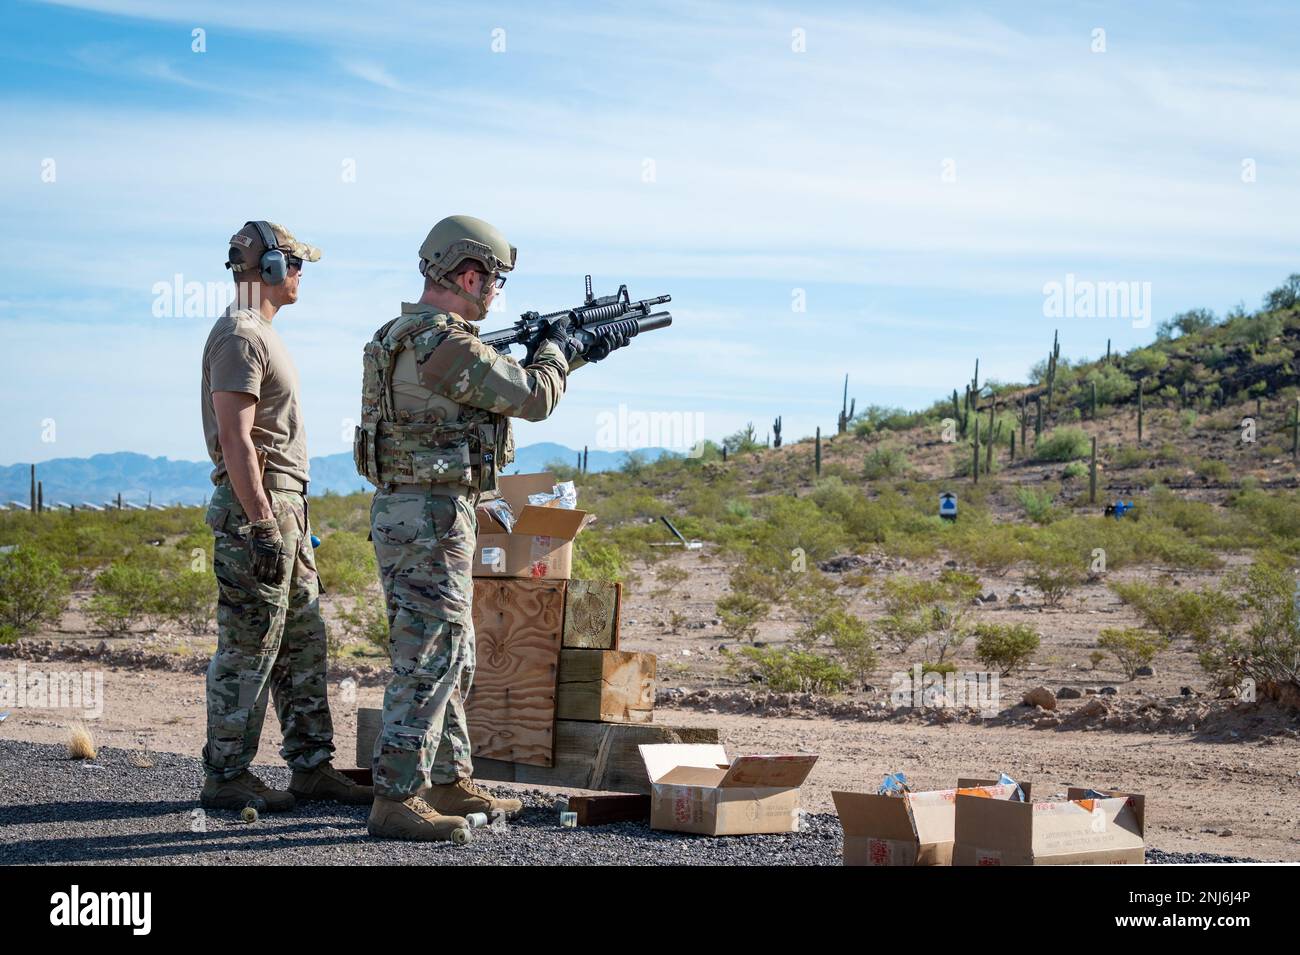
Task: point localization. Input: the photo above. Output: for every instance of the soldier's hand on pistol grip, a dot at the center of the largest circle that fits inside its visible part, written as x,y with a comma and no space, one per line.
266,548
558,330
606,342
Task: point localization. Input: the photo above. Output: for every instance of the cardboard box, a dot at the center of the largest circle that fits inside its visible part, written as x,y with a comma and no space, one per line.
541,542
911,829
694,787
1078,831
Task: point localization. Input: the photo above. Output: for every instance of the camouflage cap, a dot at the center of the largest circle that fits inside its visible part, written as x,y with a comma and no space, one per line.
250,241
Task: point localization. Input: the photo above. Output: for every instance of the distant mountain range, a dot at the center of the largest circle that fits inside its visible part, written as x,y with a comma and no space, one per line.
141,479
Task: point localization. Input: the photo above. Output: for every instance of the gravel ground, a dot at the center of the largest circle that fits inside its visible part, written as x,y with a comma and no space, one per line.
57,810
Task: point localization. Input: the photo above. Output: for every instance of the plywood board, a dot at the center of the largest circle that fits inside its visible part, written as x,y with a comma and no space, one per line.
511,707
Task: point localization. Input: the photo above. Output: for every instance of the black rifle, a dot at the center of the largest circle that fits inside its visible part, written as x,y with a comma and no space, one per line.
588,321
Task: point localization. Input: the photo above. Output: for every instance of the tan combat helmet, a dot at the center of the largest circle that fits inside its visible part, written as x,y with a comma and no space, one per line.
457,238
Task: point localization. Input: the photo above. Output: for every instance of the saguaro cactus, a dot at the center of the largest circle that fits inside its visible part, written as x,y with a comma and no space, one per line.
1092,474
776,432
975,462
817,454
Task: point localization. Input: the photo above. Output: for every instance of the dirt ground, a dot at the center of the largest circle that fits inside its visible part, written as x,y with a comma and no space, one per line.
1235,791
1240,798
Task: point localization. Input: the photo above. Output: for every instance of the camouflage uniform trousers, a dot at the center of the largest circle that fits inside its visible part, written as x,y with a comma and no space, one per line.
268,638
424,543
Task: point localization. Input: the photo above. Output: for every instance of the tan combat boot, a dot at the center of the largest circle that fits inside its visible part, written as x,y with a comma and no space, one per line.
412,818
327,784
244,790
463,797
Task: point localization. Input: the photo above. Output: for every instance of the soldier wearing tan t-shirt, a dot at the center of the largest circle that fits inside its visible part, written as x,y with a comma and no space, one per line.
270,635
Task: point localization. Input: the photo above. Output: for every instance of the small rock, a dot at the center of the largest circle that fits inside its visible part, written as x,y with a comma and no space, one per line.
1225,832
1094,707
990,597
1068,693
1145,671
1041,696
1108,691
1090,691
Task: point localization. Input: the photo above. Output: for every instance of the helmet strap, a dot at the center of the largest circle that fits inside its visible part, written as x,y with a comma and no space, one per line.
480,301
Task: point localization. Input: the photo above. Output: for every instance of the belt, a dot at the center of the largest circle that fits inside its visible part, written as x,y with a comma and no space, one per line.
275,481
443,490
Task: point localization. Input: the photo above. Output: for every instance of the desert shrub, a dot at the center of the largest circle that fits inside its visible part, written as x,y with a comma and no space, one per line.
1074,470
124,595
942,668
1054,571
1214,470
366,619
934,611
1005,647
788,670
993,548
1173,612
1037,504
187,598
877,418
1063,444
1112,385
1095,658
33,590
741,613
746,439
1122,459
1131,647
669,577
346,563
595,558
885,461
1269,650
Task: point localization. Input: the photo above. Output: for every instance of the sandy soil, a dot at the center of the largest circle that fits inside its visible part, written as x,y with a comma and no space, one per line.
1239,799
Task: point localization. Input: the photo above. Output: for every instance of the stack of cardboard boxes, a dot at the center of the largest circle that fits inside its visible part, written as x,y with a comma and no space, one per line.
987,823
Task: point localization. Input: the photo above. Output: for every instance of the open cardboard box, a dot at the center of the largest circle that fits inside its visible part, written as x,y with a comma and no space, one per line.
694,787
541,542
911,829
1078,831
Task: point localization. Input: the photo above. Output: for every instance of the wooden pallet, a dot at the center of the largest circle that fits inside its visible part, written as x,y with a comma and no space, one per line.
596,756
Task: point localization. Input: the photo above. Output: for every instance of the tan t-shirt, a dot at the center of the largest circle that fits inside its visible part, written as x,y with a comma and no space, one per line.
244,353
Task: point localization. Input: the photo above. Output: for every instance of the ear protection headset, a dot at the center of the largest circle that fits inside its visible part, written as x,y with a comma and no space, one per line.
274,263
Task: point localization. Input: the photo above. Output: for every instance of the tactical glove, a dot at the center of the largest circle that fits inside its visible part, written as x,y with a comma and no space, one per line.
266,550
556,330
606,342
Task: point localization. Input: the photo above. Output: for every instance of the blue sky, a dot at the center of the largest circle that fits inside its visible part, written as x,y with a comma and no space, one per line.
919,170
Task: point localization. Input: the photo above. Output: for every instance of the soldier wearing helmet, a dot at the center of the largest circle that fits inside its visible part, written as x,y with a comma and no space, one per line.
435,432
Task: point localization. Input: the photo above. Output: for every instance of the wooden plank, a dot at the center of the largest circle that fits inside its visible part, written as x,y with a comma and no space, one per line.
610,807
511,706
606,686
591,614
596,756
